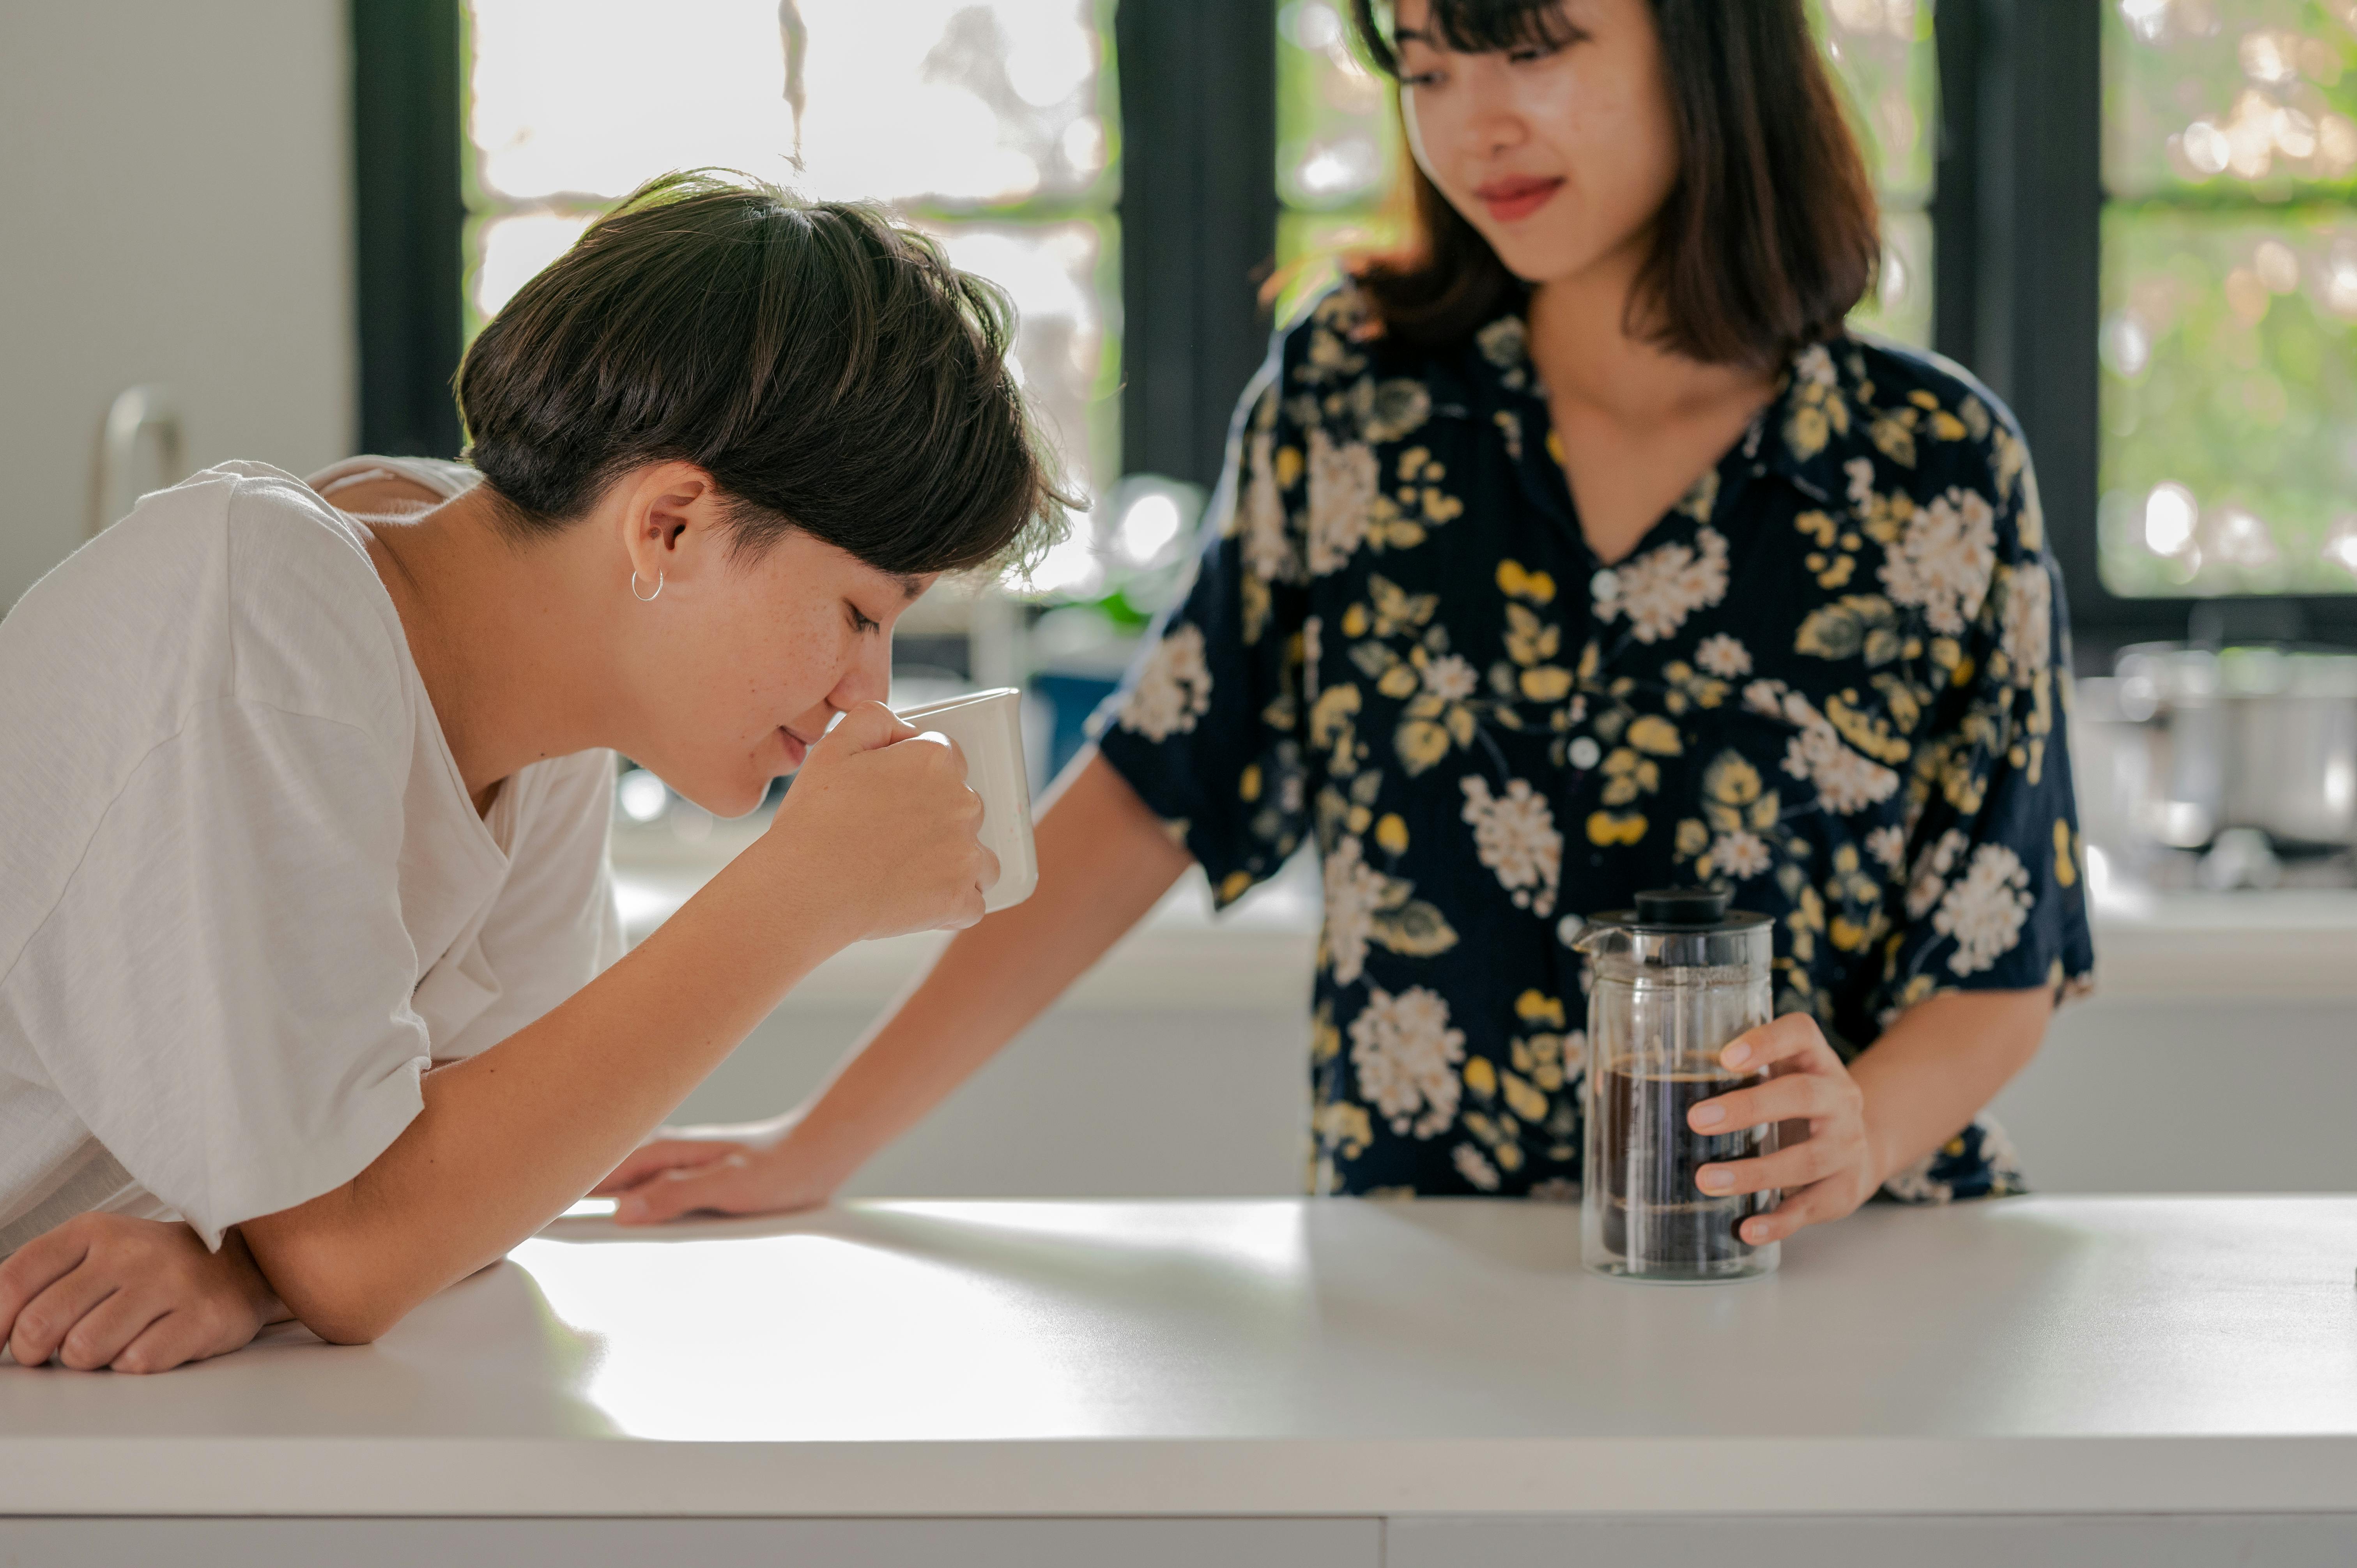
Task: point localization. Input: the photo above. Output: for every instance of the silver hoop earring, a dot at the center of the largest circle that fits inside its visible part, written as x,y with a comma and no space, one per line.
646,598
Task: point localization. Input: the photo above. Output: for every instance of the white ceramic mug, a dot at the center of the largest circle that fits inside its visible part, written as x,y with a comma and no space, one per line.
988,728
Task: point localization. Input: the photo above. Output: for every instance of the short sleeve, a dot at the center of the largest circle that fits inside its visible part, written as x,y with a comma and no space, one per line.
222,992
1207,726
1996,895
554,926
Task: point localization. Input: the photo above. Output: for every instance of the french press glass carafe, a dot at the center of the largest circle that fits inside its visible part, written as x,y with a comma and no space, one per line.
1672,981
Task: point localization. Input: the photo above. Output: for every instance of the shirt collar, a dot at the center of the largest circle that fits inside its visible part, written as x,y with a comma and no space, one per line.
1817,422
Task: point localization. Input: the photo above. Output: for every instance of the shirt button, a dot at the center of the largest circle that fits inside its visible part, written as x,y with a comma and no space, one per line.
1604,585
1584,751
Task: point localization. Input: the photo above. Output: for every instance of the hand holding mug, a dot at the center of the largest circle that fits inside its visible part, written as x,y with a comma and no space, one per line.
881,827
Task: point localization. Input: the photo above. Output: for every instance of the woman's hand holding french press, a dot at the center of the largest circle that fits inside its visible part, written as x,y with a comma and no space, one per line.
1824,1177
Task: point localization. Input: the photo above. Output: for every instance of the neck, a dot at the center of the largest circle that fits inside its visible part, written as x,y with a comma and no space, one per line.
509,659
1584,350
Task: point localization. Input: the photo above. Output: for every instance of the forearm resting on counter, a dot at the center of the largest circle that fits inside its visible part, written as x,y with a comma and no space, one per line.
508,1139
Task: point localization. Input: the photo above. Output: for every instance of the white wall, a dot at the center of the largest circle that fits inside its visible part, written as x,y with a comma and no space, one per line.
1085,1104
2126,1097
174,207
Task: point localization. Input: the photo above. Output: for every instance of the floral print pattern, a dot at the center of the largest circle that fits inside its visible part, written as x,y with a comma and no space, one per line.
1173,689
1406,1057
1831,679
1658,589
1515,837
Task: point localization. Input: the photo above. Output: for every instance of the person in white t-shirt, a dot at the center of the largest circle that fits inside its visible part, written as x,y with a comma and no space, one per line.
312,998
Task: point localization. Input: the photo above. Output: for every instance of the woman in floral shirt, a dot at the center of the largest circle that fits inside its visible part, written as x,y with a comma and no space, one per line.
1579,551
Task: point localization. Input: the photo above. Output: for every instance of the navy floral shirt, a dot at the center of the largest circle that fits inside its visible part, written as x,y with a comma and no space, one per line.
1831,680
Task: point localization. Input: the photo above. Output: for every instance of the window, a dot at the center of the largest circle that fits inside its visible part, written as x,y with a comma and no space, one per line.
990,123
2229,391
1883,56
1339,146
1337,149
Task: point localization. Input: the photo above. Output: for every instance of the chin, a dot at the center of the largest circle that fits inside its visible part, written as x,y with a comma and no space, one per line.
737,800
1565,247
724,797
1541,263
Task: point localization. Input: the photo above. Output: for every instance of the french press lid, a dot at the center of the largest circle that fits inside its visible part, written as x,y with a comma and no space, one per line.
1678,928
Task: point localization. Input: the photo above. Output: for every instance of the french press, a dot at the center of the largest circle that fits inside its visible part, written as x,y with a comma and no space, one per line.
1672,981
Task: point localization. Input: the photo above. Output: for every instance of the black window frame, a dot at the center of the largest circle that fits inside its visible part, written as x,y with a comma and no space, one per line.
1199,121
409,218
2017,217
2017,213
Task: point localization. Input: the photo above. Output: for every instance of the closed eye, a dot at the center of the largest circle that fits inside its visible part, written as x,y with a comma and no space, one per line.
1548,49
860,623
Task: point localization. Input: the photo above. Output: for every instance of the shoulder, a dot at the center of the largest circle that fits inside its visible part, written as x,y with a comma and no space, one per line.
308,627
1923,428
1336,369
166,608
1891,376
167,656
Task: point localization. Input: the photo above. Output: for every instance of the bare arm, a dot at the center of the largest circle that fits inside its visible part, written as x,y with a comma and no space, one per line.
1910,1092
508,1138
1940,1064
1103,862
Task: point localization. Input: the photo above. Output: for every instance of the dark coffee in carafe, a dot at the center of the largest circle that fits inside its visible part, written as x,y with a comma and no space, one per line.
1647,1142
1670,983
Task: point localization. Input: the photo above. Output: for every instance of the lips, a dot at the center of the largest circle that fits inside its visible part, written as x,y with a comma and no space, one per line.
1517,197
797,748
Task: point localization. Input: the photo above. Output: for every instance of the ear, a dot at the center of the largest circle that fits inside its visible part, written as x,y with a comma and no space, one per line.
673,523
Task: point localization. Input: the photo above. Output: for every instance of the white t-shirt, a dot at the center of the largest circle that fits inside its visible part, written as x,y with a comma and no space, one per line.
244,897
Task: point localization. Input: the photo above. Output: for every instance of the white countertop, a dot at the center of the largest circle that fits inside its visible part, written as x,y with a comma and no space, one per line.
1281,1357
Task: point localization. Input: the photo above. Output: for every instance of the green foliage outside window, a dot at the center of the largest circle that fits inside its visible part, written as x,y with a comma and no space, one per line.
2230,297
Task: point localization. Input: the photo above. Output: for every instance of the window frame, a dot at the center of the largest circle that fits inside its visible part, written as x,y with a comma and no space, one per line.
2016,211
1199,213
2018,215
409,215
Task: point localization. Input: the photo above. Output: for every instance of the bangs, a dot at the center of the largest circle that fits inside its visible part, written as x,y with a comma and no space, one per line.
1468,27
1767,238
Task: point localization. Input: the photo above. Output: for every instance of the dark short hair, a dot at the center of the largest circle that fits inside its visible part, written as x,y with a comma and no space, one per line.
826,366
1767,241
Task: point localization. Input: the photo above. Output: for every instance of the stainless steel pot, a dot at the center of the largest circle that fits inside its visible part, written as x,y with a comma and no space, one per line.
2260,737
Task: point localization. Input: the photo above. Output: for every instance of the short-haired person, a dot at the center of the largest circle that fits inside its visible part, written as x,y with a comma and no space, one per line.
305,915
1578,550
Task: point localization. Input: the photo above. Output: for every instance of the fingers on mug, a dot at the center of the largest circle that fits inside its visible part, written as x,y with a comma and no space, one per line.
987,728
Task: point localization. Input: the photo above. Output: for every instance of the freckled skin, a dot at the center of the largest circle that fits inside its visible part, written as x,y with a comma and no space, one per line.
728,653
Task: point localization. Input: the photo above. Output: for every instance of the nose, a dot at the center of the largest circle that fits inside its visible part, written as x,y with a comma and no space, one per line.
869,678
1496,123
